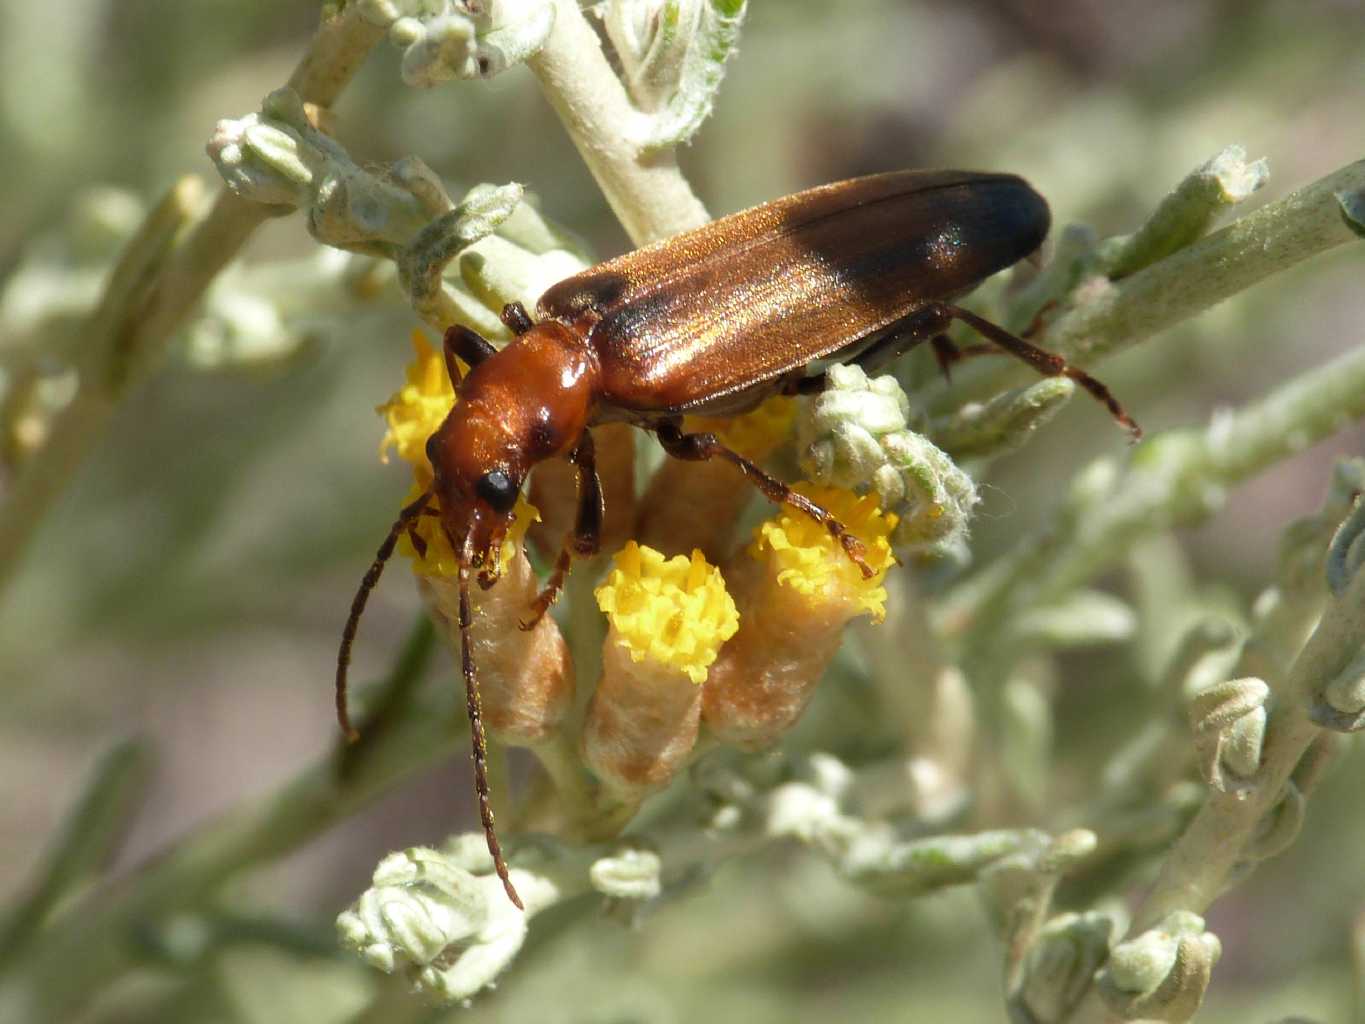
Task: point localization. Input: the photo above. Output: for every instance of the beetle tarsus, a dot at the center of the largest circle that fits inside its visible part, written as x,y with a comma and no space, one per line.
855,550
550,592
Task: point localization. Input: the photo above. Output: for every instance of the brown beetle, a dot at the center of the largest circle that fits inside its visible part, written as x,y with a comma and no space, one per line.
712,322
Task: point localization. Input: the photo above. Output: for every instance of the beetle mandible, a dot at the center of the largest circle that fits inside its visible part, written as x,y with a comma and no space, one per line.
712,322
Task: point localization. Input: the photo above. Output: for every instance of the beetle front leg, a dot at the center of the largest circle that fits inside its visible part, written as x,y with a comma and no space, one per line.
586,537
467,344
700,447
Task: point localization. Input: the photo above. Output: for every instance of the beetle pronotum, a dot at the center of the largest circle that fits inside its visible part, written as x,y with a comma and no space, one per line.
712,322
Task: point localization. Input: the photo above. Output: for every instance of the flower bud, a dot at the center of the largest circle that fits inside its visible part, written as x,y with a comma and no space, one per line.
1161,974
856,434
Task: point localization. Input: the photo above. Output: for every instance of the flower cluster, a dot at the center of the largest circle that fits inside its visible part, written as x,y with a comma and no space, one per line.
737,649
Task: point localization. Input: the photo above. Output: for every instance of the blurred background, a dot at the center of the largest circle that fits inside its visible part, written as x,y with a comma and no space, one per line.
191,585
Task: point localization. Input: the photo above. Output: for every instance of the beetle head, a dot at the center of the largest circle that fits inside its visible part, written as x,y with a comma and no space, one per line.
476,486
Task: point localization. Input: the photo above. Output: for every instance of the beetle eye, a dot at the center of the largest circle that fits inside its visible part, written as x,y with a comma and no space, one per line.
497,489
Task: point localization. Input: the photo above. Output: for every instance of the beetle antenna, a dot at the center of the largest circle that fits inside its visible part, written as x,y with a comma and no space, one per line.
403,522
476,736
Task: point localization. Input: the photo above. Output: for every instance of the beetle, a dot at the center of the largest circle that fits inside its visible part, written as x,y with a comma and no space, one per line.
711,322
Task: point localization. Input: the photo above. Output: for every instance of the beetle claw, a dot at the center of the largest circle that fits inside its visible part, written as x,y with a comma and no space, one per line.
855,550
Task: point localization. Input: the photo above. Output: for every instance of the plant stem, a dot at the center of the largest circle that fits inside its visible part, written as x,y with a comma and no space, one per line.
159,279
1107,317
647,192
95,941
93,828
1202,862
1175,479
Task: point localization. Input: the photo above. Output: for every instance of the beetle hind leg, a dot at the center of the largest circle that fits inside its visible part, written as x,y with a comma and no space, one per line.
1049,364
700,447
886,346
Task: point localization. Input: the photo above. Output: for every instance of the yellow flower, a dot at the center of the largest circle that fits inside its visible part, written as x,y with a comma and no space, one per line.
675,611
439,558
415,411
810,560
754,434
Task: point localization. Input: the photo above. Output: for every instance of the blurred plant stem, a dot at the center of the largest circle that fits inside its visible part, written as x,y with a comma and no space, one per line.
96,940
1246,819
92,831
159,279
1203,861
1177,478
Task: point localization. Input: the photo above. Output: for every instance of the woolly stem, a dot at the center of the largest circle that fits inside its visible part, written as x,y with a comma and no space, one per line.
1178,478
93,943
160,278
647,192
1107,317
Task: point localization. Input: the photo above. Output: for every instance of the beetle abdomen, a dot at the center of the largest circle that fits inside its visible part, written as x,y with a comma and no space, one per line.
759,294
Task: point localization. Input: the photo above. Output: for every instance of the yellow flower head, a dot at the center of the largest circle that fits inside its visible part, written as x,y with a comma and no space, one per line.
439,558
672,610
754,434
807,558
415,411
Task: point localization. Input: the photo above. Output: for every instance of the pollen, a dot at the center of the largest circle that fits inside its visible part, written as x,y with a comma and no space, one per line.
675,611
415,411
754,434
439,558
811,561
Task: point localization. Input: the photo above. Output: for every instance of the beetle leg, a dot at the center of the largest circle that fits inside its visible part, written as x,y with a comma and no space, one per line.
699,447
1035,325
516,318
586,538
587,531
892,342
468,345
1047,363
947,353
